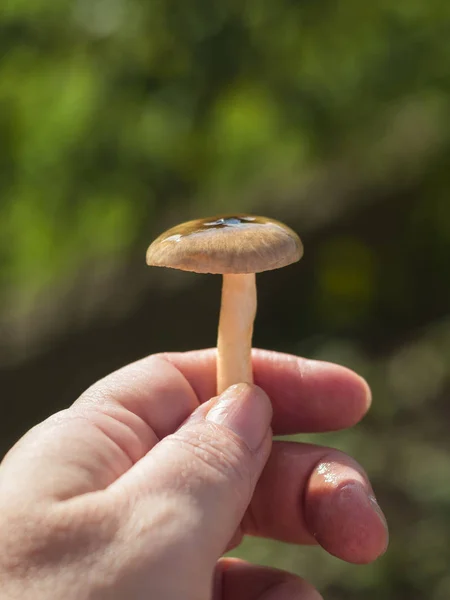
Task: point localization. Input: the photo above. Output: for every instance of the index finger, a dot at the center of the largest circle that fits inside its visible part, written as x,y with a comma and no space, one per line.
121,417
307,395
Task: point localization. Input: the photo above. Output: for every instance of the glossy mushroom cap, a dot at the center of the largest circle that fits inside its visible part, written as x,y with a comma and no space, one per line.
226,244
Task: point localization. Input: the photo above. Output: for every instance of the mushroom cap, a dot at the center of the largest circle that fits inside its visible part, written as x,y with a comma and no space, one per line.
226,244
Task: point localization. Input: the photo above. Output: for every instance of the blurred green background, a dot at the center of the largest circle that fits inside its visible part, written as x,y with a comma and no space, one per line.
120,118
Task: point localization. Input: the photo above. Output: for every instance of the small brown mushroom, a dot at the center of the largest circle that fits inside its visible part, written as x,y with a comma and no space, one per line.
237,247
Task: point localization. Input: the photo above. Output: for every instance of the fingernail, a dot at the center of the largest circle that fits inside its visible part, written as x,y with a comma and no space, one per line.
246,410
377,509
367,392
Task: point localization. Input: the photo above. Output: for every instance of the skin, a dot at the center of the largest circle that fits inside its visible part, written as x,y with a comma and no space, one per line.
139,487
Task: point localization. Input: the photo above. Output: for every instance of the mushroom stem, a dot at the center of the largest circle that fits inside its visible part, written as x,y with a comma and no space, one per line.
234,342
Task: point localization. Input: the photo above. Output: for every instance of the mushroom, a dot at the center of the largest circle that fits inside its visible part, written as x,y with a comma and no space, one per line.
237,247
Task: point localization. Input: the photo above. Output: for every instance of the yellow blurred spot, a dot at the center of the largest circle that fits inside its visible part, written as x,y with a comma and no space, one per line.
345,279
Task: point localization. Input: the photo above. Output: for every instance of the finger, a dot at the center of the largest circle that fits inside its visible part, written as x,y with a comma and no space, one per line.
239,580
311,494
202,478
307,395
163,390
108,429
152,388
342,513
120,418
76,451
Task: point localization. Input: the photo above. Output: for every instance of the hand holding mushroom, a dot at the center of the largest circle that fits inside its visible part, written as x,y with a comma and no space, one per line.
138,488
236,247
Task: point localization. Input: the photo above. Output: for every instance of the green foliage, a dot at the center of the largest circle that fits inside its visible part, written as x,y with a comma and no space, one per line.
199,100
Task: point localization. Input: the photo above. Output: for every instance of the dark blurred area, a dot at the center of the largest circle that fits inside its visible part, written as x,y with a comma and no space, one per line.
120,118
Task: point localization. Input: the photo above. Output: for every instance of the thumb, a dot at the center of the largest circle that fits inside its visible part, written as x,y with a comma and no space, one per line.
198,482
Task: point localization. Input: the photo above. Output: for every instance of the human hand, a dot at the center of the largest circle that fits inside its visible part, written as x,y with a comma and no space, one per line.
138,489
